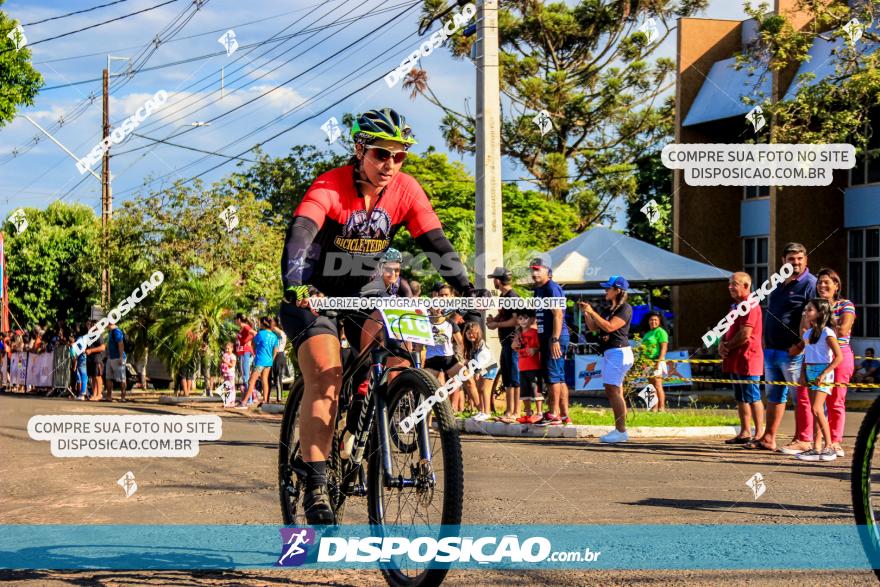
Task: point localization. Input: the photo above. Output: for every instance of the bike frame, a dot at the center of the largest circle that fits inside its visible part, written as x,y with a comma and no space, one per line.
376,402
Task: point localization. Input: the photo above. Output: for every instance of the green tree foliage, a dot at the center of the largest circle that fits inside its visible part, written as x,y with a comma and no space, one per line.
195,318
179,231
51,265
531,222
589,67
654,183
19,81
832,110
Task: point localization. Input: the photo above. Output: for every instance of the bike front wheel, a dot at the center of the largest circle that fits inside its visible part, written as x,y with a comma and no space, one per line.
421,492
866,485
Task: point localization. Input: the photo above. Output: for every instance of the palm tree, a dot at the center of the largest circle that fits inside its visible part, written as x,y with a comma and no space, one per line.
194,314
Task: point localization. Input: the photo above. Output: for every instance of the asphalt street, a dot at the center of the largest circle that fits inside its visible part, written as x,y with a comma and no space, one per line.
507,481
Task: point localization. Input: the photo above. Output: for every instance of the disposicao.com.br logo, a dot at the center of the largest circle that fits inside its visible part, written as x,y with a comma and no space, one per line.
431,550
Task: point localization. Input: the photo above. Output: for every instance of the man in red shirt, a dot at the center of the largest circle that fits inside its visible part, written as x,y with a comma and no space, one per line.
743,360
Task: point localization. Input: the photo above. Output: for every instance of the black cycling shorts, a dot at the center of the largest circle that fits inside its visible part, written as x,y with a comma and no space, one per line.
441,364
300,324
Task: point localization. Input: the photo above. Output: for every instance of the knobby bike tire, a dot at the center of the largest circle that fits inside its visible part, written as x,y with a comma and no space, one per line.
861,482
286,452
424,384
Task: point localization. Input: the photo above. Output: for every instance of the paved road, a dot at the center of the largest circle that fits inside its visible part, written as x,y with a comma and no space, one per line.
509,481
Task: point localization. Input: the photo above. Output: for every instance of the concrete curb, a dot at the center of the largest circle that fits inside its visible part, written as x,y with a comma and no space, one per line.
272,408
531,431
189,399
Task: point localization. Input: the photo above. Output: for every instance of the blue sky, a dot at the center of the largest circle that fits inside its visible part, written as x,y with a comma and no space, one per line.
42,173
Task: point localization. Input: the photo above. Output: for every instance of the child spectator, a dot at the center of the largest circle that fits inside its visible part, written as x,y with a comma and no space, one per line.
655,343
440,357
480,386
527,346
821,356
227,370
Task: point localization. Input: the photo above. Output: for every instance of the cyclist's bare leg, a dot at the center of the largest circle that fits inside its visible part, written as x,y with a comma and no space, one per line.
320,362
372,333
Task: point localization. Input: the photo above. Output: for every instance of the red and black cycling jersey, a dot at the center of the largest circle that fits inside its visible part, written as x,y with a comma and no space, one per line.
335,245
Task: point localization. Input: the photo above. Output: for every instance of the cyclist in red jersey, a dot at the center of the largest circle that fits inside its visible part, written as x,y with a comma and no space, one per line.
350,215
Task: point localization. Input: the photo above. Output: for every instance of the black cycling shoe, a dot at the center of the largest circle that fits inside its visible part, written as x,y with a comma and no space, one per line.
316,503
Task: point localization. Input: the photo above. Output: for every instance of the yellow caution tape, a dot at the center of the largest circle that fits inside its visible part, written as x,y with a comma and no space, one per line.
786,383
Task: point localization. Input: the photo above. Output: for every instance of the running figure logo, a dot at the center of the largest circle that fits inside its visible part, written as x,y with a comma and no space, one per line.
757,485
128,484
19,221
229,42
295,551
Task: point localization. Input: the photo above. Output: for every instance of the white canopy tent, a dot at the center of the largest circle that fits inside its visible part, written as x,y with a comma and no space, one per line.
591,257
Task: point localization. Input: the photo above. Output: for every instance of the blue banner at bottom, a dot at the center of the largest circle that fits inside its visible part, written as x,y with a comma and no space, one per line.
650,547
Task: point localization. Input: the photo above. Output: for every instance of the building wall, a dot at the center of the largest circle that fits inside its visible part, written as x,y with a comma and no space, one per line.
704,228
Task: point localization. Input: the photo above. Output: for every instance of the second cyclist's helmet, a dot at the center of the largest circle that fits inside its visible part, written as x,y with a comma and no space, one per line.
384,124
392,255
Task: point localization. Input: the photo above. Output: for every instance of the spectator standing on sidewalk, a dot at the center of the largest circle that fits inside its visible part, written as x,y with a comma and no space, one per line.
279,364
95,366
612,325
528,349
828,287
115,360
655,343
553,336
505,322
244,348
783,358
743,360
265,346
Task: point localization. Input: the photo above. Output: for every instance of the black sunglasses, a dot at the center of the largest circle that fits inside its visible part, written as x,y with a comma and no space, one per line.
384,154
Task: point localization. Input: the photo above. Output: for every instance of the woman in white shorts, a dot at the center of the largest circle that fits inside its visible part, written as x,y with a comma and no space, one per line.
612,325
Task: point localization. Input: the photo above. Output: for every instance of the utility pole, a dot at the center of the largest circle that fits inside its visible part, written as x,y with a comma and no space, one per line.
489,246
106,196
106,190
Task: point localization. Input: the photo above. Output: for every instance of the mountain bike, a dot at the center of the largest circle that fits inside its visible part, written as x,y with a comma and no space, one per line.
413,478
866,485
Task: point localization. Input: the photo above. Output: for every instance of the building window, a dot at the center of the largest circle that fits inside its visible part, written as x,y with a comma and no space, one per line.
864,280
755,259
867,169
756,191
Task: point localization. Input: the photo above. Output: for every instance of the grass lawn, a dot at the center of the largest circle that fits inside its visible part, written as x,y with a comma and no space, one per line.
596,416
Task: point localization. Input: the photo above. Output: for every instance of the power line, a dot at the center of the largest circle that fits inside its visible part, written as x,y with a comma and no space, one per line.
251,80
389,55
193,36
72,13
141,59
286,82
223,52
97,25
191,148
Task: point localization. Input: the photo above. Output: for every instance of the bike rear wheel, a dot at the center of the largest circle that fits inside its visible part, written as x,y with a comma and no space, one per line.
866,484
290,487
437,497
